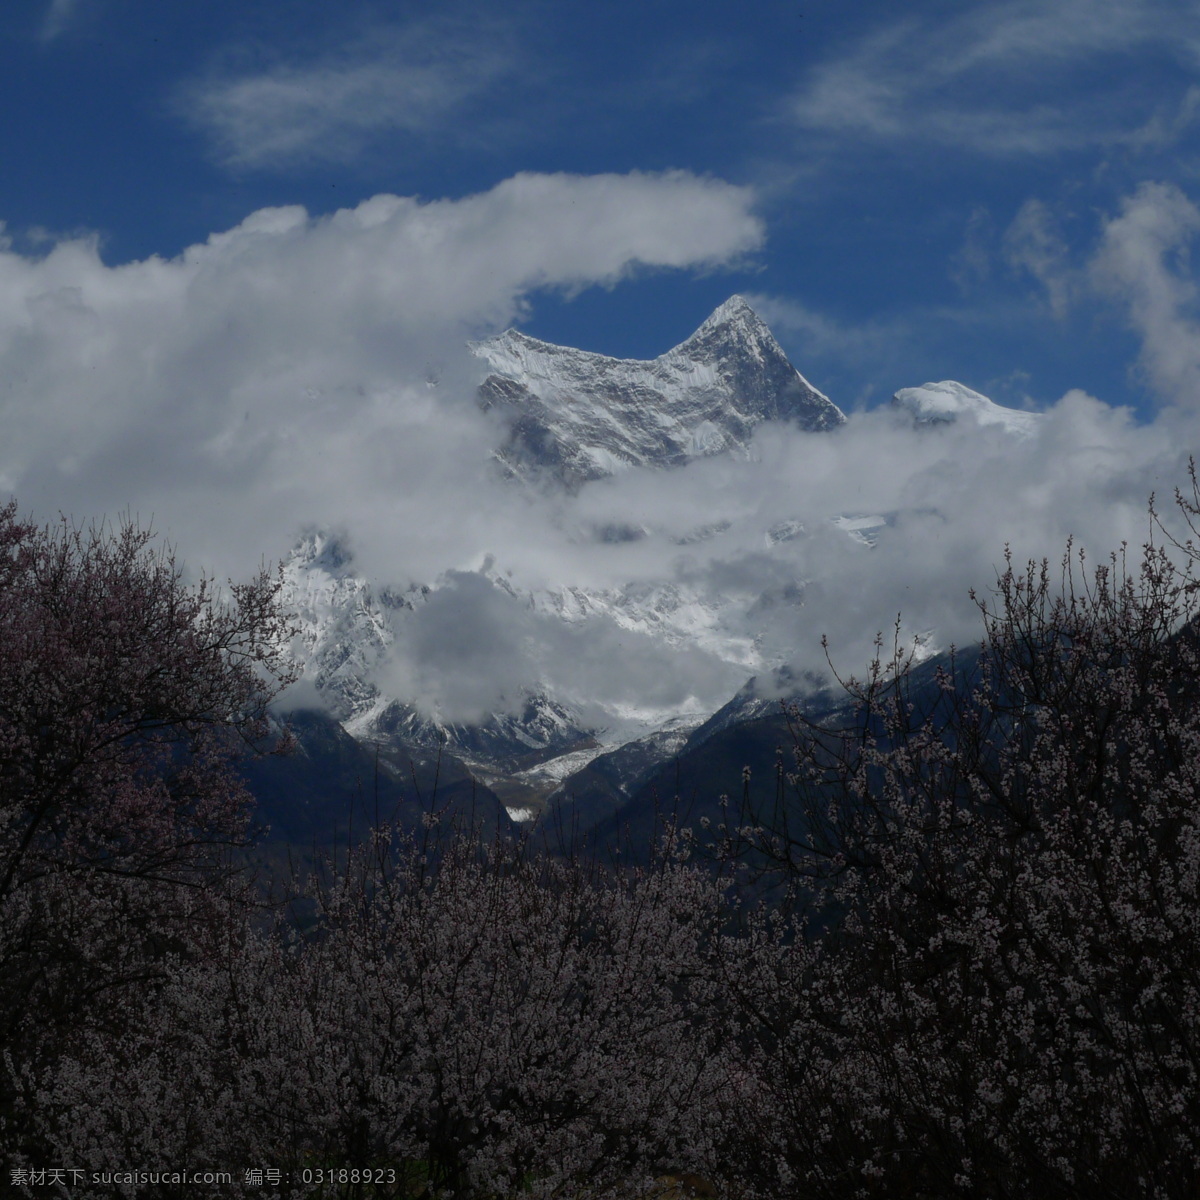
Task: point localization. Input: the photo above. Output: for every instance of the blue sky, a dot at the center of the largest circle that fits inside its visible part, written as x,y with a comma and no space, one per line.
933,179
241,239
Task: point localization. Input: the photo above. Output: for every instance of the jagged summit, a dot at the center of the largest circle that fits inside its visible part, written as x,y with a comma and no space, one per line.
573,416
944,403
736,320
736,308
577,415
731,324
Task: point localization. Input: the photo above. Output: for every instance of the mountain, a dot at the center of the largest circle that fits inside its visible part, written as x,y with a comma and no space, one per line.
345,629
947,402
578,416
735,767
573,417
333,788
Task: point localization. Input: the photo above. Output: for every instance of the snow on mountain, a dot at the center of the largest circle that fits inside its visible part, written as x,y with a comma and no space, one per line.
671,612
346,627
864,527
574,416
343,631
582,416
946,402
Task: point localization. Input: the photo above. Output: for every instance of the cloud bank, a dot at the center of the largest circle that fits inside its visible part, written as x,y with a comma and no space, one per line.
298,371
283,372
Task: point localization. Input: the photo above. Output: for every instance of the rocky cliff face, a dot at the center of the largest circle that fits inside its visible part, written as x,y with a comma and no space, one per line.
578,416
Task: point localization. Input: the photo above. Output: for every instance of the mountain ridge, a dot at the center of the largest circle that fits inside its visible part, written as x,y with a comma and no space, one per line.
579,416
575,417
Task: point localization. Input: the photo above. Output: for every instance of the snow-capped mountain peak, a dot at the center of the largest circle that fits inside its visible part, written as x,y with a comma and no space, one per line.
732,325
735,310
342,629
574,416
946,402
577,415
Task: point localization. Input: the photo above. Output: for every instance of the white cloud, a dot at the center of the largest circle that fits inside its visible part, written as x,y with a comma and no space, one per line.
474,648
411,79
952,498
1164,127
277,374
999,78
1143,261
1034,243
